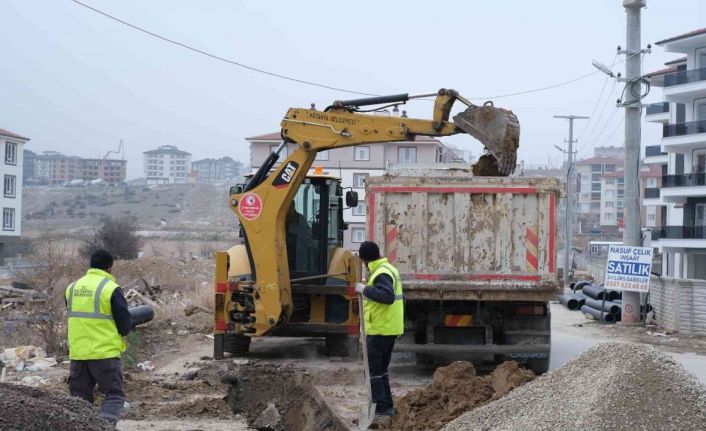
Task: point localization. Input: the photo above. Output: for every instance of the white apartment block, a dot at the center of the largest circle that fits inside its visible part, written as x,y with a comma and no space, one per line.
11,199
354,164
167,165
681,156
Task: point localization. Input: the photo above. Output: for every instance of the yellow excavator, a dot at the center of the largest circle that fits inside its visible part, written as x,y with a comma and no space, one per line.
292,276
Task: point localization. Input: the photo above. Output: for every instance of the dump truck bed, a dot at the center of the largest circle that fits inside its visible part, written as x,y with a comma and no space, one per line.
454,236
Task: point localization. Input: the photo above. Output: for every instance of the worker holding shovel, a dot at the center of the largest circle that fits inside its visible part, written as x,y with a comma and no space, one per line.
383,311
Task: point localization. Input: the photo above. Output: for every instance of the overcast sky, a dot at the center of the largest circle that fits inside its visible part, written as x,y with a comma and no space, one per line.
76,82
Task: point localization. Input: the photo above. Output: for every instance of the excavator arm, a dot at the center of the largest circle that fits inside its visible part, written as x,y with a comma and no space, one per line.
262,207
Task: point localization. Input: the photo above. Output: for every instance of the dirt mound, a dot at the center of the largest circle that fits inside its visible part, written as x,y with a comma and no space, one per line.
30,409
613,386
253,386
454,390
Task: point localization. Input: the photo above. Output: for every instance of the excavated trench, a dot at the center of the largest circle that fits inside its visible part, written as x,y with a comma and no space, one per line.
257,390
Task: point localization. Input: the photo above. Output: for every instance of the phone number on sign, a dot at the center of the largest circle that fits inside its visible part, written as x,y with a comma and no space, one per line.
625,285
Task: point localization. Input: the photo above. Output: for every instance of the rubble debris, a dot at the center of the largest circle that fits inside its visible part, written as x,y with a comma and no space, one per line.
145,365
28,358
34,381
269,420
612,386
253,386
454,390
33,409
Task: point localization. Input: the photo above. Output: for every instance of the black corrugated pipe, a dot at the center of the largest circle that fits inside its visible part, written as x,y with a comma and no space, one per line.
599,315
569,301
608,306
594,292
613,295
582,298
141,314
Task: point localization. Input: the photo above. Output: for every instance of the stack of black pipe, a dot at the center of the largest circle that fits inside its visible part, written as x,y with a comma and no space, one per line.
604,305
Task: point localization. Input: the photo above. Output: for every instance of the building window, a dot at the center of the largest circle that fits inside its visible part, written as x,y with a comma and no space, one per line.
610,168
322,155
596,187
10,181
361,153
610,204
10,153
597,168
359,180
610,194
8,219
608,216
621,181
652,182
610,181
360,210
596,196
620,214
406,155
584,178
358,234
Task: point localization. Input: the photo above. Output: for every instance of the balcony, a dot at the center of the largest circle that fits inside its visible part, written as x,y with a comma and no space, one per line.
655,156
679,137
676,188
682,86
679,232
657,112
652,193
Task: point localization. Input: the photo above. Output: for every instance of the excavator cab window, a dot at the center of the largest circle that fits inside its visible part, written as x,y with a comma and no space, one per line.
313,226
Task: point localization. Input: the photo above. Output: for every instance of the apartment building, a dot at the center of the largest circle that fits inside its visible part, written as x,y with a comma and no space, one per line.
681,157
217,170
11,199
354,164
589,181
53,167
613,197
167,165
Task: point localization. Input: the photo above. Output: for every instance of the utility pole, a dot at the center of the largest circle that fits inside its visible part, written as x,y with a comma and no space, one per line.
569,190
633,73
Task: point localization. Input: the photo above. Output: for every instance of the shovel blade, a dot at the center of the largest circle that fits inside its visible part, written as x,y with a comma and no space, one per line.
366,416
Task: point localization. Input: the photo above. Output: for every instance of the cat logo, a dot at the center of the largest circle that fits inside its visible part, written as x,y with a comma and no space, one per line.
286,174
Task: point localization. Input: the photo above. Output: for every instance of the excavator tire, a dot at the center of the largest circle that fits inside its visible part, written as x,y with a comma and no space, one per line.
236,344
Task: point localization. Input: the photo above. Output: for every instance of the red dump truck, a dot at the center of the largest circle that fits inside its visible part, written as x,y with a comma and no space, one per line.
478,260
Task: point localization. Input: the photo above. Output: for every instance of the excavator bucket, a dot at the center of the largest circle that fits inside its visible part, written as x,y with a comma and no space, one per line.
499,131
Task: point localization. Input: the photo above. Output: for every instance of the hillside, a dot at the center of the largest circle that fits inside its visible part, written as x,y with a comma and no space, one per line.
197,208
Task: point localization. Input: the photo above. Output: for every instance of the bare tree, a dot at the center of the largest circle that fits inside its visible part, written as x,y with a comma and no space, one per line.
116,235
53,264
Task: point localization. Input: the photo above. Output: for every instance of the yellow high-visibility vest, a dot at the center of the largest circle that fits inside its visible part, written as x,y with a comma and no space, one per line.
384,319
92,331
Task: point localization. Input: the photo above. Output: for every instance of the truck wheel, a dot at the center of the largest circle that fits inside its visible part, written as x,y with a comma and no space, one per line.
342,345
423,359
236,344
539,366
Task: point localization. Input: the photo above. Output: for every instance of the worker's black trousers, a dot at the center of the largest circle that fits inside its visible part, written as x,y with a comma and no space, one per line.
108,375
379,354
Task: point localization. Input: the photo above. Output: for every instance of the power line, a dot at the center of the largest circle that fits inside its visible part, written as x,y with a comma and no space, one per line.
217,57
302,81
598,101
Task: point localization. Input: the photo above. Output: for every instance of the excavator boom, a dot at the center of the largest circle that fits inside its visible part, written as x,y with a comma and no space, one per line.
262,206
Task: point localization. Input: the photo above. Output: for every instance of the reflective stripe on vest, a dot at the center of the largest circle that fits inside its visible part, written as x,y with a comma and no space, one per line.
92,333
96,303
384,319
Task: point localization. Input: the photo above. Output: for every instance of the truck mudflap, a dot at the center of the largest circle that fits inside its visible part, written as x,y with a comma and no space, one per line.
526,351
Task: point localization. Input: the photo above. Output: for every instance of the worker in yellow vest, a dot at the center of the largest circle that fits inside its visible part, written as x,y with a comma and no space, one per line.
383,310
98,319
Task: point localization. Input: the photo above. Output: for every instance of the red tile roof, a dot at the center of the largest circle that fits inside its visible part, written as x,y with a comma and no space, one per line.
653,171
682,36
664,71
675,61
597,160
9,134
276,136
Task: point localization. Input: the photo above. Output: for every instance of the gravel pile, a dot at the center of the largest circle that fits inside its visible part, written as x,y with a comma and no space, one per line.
613,386
31,409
